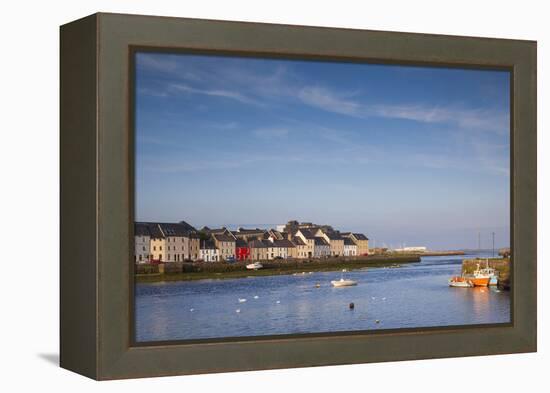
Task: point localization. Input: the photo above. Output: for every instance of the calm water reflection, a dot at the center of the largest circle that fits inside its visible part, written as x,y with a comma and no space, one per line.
415,295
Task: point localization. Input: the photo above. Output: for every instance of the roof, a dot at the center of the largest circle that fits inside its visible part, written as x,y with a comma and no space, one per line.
360,236
154,230
222,237
241,243
283,243
307,234
171,229
207,245
215,230
160,230
333,235
298,241
319,241
348,242
258,244
141,229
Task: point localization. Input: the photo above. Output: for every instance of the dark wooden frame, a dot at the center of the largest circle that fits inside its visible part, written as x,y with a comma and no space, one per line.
97,196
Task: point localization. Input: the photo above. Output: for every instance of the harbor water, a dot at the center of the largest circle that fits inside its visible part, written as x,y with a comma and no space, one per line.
414,295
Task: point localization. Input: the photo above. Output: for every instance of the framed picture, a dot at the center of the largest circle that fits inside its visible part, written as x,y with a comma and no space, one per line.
242,196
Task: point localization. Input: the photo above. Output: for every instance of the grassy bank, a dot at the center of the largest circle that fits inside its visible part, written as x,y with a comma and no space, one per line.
220,270
501,265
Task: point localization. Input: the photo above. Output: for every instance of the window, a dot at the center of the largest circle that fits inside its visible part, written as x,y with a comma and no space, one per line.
154,248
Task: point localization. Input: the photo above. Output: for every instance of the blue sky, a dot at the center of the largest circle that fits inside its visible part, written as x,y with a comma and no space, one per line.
406,155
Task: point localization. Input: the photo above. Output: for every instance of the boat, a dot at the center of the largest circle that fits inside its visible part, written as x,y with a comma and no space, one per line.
254,266
342,282
481,277
460,282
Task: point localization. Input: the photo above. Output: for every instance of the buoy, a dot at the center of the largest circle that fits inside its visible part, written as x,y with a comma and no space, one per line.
256,297
192,309
383,298
238,310
278,301
242,300
317,285
373,298
351,306
377,321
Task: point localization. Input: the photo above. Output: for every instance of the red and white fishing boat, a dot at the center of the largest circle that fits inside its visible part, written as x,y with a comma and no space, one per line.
481,277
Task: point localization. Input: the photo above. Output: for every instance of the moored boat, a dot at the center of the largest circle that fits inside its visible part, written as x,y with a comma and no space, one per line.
342,282
254,266
460,282
481,277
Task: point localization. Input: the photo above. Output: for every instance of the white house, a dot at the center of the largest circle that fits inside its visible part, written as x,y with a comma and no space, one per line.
321,248
209,252
142,243
350,248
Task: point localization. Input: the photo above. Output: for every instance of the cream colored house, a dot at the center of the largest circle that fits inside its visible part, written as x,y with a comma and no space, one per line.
225,242
309,239
300,248
281,248
259,250
158,243
360,240
176,242
194,247
335,240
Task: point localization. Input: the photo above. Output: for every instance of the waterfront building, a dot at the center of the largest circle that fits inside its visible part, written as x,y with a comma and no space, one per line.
249,234
282,248
208,251
360,240
194,246
142,243
300,248
309,239
350,248
333,238
158,243
259,250
176,243
242,250
225,242
321,248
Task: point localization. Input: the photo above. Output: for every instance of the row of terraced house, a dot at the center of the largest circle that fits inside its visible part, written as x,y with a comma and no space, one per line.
180,242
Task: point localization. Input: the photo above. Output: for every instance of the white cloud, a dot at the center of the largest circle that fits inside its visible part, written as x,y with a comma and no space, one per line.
215,93
325,99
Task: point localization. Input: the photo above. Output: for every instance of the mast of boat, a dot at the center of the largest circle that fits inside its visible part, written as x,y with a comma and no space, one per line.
493,244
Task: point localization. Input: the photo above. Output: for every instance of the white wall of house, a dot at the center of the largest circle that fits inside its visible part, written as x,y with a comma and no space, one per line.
142,246
350,250
210,254
321,251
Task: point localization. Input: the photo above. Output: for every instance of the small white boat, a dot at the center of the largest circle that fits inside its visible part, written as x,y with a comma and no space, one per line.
254,266
460,282
342,282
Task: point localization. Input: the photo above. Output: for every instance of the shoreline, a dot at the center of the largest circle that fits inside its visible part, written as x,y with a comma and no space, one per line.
220,271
